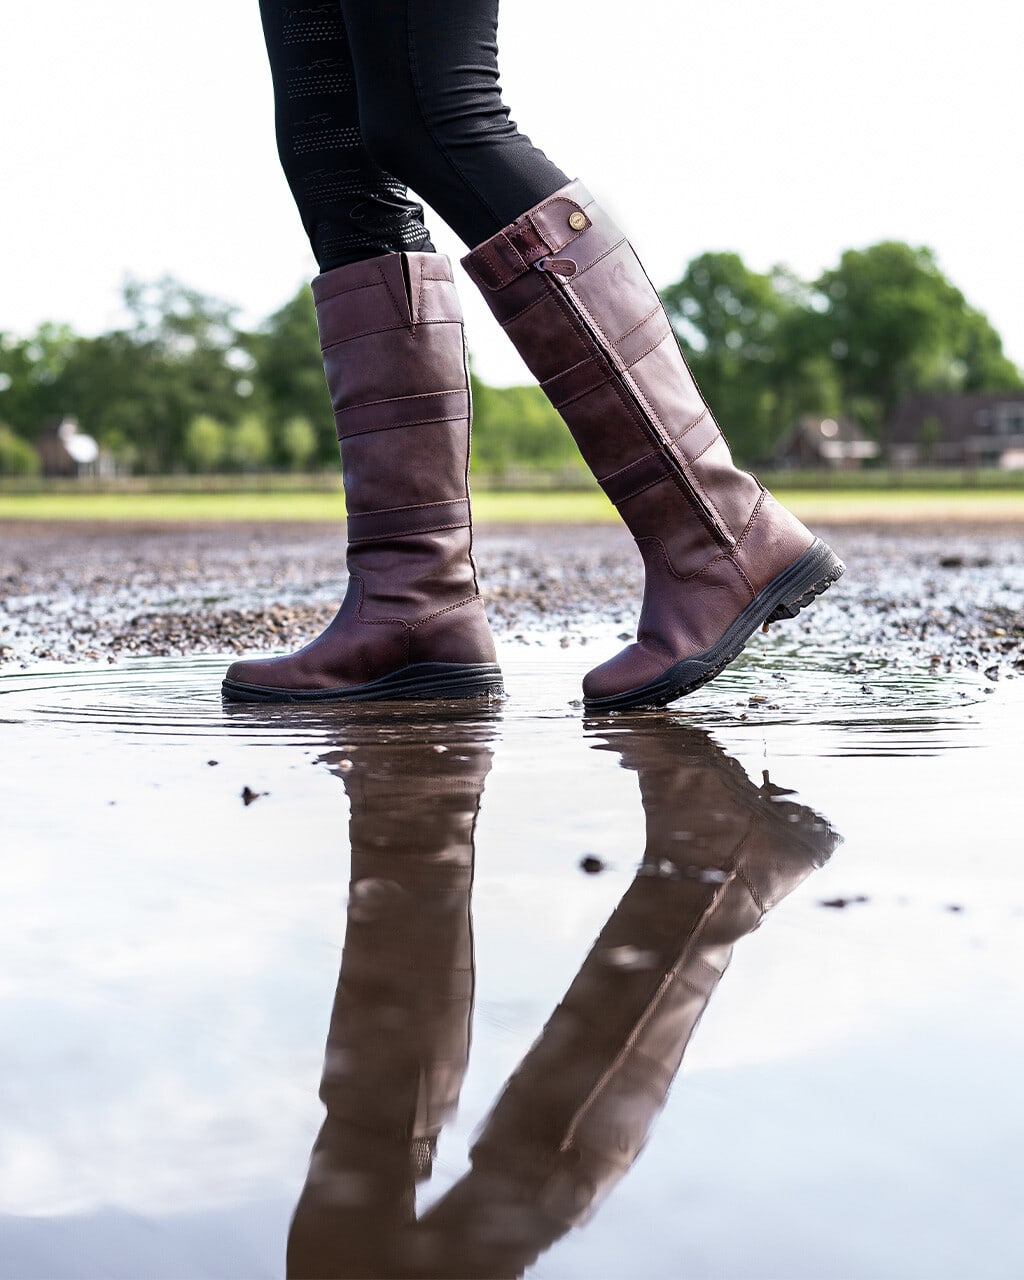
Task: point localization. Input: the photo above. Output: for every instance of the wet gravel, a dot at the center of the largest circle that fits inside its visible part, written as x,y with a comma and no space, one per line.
928,598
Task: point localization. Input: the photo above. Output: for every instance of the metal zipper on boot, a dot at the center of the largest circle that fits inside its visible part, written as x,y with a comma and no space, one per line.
561,270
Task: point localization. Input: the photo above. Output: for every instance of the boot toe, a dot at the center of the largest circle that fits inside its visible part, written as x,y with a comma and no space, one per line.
630,669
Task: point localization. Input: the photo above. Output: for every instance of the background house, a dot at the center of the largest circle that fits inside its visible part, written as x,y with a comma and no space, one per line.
971,430
64,450
824,442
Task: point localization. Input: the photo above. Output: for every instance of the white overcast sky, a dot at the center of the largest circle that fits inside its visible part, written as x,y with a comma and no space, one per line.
138,138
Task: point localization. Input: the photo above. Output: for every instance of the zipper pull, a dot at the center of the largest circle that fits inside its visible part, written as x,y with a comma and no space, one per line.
564,267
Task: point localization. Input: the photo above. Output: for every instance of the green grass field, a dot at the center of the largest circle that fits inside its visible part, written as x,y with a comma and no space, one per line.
822,506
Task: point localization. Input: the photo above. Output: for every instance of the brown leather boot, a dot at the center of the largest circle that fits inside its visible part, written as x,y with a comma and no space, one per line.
412,624
721,556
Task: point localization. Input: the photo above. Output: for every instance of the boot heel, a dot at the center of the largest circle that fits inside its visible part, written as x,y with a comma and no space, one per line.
802,582
421,680
439,680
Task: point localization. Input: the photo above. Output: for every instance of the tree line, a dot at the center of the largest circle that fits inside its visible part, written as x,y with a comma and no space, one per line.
181,386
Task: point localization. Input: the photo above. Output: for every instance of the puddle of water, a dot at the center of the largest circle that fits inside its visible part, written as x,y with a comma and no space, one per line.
486,934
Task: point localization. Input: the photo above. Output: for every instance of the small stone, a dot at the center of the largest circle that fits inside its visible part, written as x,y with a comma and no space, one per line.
591,864
248,795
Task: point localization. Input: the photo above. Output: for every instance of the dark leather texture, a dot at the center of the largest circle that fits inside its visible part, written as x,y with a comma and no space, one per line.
591,327
394,354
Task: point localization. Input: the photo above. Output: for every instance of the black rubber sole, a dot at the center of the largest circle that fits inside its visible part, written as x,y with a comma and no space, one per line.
422,680
784,597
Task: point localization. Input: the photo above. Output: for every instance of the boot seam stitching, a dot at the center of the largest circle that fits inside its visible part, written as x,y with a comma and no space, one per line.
697,573
449,608
587,339
564,404
381,622
341,293
414,533
386,328
654,346
634,410
635,493
397,426
697,456
640,323
601,257
402,322
411,506
750,523
690,426
418,395
523,310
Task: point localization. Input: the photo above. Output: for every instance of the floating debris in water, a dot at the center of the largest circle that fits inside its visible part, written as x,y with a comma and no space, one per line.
248,795
842,902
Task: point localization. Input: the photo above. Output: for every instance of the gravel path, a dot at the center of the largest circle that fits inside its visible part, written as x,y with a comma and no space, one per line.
74,593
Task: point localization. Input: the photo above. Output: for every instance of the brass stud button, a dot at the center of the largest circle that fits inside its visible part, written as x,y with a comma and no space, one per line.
577,220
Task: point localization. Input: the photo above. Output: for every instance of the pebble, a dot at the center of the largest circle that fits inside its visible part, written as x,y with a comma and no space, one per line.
93,592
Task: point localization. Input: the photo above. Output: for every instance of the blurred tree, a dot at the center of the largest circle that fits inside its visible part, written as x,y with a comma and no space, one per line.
742,336
288,376
894,324
298,442
32,372
206,443
249,443
17,457
137,388
517,425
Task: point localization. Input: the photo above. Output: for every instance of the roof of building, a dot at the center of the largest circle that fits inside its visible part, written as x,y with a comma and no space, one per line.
958,416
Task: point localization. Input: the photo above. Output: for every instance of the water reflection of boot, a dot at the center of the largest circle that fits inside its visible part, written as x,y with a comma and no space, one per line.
572,1119
399,1034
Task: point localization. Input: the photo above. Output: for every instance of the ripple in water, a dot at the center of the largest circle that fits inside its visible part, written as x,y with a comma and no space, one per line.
180,698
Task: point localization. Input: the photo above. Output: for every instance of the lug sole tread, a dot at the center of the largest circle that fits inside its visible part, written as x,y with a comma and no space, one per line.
422,681
807,578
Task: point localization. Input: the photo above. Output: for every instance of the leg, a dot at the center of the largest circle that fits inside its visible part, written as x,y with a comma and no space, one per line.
721,556
431,111
350,207
412,624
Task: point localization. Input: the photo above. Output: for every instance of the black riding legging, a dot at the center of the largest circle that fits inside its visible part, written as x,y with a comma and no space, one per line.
376,96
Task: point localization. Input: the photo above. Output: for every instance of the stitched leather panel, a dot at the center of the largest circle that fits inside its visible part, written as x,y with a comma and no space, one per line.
385,415
636,478
399,522
572,383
